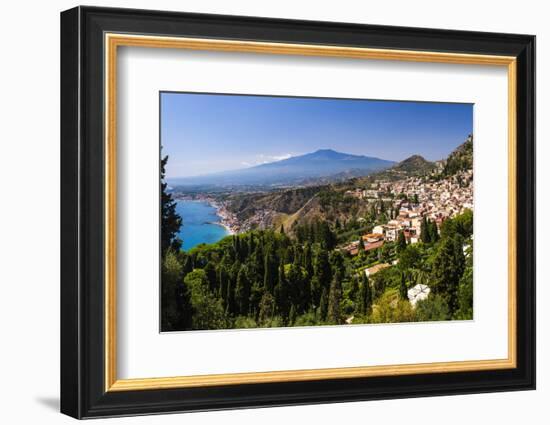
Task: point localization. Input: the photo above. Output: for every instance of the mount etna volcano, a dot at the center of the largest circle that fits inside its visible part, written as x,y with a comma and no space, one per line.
323,163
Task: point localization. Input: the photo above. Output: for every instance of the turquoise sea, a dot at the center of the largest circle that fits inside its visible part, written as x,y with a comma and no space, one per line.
199,224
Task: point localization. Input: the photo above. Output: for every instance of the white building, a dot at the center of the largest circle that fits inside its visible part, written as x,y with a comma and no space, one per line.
418,293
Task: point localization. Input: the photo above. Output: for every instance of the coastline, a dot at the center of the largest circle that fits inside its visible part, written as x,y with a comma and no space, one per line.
227,220
221,224
230,232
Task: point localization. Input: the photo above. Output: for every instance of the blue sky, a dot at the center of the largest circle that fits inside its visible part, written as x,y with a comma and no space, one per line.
205,133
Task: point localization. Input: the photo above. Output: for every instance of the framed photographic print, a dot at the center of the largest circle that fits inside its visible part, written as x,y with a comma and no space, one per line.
261,212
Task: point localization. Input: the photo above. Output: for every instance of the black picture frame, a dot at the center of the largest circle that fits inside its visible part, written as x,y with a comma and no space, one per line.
83,392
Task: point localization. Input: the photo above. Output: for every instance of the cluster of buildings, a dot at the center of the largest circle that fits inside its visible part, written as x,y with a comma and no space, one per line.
414,198
261,219
227,218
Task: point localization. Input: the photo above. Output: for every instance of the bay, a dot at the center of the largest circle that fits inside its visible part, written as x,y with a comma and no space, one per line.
199,223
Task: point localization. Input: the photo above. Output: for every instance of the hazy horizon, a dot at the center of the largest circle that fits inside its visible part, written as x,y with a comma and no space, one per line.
210,133
274,161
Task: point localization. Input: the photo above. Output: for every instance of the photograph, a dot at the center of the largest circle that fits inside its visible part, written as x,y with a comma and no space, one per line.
284,211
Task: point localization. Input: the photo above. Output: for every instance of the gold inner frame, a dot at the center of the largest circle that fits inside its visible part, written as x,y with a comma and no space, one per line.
113,41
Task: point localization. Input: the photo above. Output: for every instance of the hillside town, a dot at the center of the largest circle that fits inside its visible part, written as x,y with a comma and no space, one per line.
415,198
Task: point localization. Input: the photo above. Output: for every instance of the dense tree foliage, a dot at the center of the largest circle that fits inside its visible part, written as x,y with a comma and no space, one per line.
432,308
171,221
448,267
175,298
460,159
267,278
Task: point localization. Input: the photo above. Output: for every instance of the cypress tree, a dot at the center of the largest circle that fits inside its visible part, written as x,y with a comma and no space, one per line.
322,273
231,285
334,314
337,263
282,294
307,260
230,306
304,293
300,234
315,288
354,290
323,306
211,276
242,292
251,243
329,237
244,248
289,255
365,296
403,288
295,279
223,280
257,261
237,245
425,233
270,271
256,294
401,242
298,255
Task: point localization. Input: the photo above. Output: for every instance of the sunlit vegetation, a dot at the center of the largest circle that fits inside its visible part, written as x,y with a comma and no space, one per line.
270,279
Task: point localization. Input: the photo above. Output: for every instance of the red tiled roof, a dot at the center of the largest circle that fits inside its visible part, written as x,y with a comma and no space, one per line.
373,245
372,235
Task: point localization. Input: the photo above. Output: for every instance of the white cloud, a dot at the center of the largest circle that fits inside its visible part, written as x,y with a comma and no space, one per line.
265,159
281,157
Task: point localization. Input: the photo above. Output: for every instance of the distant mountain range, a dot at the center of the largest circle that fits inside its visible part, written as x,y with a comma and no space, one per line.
301,205
321,164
